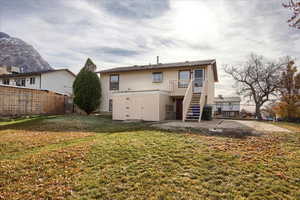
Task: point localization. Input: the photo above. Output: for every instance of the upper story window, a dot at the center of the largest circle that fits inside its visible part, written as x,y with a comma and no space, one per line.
32,80
114,82
157,77
184,78
5,81
21,82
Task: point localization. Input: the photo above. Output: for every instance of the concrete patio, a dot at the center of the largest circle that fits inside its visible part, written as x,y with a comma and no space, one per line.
221,126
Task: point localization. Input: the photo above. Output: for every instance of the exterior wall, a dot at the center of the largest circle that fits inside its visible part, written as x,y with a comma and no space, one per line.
12,81
211,85
58,81
164,100
148,106
142,80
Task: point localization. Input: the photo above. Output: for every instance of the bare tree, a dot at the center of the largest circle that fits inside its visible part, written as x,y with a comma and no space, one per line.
256,79
294,6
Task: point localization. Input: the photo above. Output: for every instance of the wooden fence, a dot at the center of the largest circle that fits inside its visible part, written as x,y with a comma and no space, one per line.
16,101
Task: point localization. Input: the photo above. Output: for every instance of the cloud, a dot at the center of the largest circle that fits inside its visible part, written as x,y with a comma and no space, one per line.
134,9
129,32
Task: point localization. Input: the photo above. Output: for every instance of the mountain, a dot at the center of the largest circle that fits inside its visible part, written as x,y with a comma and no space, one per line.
15,52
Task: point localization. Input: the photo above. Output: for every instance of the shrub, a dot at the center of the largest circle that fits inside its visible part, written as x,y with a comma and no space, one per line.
87,90
207,113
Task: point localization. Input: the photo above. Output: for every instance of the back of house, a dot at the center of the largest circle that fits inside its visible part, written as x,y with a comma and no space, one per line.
159,92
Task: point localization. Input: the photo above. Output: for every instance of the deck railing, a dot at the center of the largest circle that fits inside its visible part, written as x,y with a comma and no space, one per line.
178,87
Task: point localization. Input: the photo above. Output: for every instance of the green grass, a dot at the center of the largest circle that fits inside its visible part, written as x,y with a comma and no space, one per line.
93,157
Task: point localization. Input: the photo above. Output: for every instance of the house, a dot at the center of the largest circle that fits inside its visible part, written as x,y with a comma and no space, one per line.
158,92
59,81
9,70
227,107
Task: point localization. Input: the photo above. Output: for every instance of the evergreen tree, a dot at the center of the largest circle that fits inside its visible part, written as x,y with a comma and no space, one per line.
87,88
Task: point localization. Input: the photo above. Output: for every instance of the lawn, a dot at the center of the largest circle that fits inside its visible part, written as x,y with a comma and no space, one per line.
92,157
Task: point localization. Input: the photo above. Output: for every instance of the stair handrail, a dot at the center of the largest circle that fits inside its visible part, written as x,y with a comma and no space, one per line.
187,99
202,98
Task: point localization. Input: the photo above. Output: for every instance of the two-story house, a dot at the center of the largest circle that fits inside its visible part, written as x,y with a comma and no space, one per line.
158,92
59,81
227,107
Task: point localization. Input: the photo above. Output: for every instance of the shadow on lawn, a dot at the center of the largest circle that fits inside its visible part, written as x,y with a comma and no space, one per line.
104,124
75,123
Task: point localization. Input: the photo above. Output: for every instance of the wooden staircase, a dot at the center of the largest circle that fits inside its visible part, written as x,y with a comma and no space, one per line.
194,112
193,103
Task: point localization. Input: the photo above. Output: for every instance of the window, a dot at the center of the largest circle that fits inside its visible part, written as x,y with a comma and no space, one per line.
20,82
6,81
114,82
110,105
157,77
184,78
32,80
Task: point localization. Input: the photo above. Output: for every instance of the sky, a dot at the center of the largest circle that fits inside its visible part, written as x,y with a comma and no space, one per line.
117,33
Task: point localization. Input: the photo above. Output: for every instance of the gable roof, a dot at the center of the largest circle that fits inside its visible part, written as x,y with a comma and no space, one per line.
34,73
165,66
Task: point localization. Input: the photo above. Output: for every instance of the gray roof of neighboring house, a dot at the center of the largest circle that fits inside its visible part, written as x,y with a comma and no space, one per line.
165,66
34,73
227,99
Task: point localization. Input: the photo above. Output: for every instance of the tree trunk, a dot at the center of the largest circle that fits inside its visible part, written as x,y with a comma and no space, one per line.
257,112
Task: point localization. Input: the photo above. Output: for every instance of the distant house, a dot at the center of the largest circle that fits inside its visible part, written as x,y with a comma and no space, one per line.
9,70
227,107
158,92
59,81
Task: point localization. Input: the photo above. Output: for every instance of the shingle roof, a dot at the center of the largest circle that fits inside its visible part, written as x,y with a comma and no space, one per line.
165,66
34,73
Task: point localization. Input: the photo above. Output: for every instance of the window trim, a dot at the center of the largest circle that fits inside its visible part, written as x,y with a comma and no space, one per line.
162,77
110,82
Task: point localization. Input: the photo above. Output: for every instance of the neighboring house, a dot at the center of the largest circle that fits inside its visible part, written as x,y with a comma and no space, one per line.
158,92
8,70
227,107
59,81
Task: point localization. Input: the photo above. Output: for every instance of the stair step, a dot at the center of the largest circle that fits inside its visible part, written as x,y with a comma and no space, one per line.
195,109
194,114
196,119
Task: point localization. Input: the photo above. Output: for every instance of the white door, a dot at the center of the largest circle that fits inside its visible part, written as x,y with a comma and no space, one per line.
198,80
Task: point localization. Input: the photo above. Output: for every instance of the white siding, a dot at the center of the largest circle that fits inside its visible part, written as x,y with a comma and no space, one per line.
58,81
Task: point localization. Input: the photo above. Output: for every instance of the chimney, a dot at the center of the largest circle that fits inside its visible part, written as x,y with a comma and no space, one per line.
157,59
